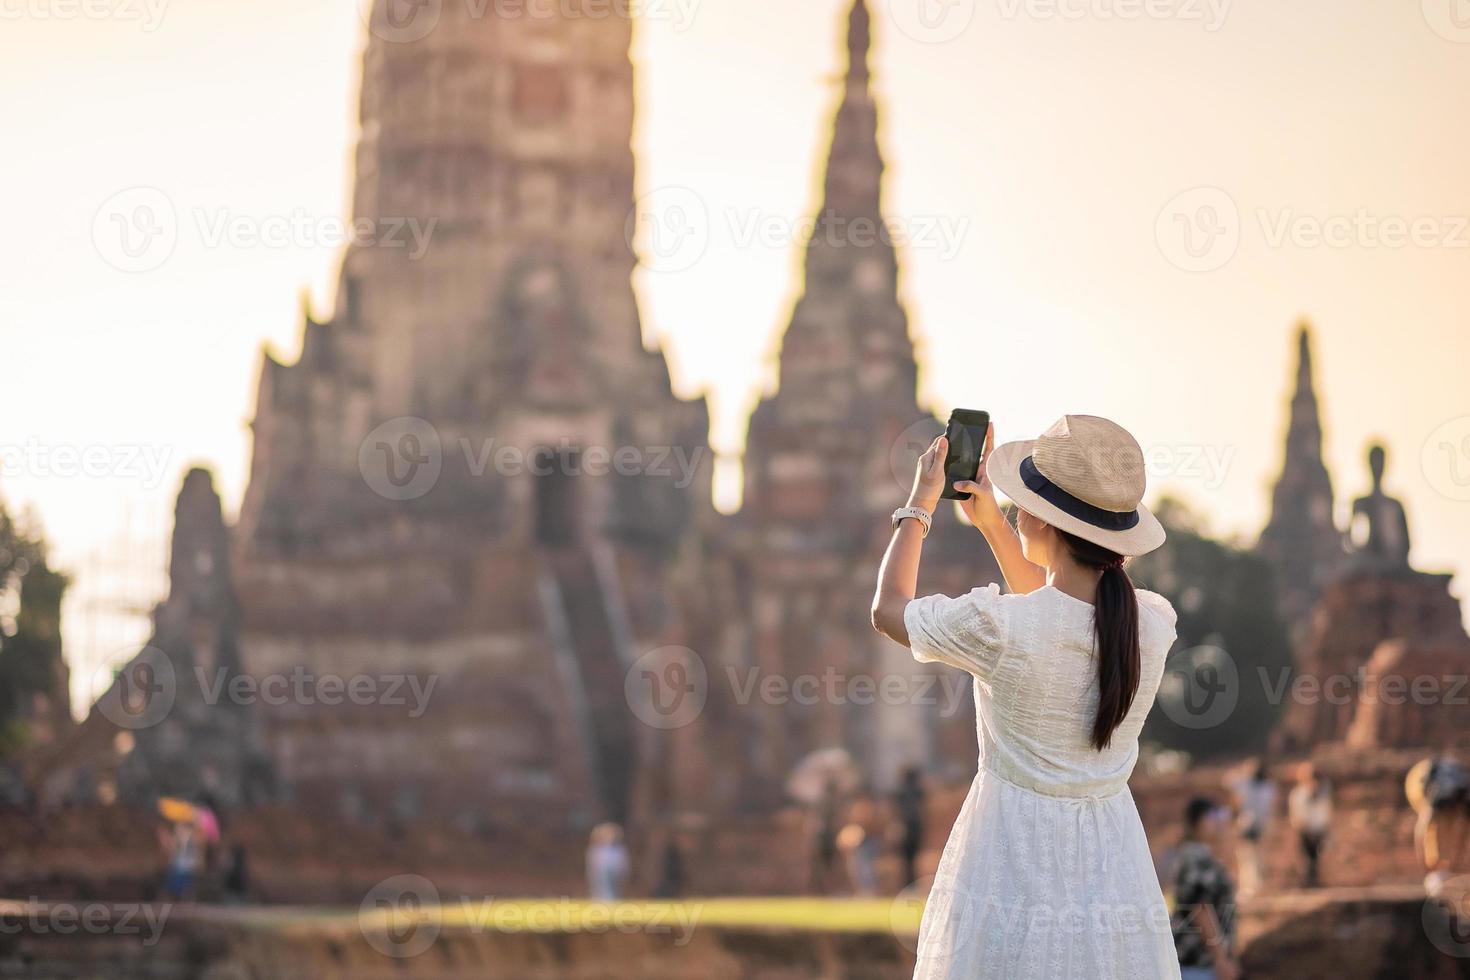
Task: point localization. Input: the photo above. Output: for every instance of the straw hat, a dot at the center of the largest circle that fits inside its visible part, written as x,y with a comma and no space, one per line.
1085,476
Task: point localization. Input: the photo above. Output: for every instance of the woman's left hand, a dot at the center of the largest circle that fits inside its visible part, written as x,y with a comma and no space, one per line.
929,476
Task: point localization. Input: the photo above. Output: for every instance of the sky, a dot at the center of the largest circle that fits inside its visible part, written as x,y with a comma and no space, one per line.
1115,207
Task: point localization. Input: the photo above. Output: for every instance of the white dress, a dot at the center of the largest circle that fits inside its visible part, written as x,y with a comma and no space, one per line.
1047,872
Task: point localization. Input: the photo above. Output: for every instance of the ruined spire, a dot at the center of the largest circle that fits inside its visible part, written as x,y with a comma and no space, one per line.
1301,538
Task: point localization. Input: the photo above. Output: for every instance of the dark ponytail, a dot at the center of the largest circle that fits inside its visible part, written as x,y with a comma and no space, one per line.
1115,618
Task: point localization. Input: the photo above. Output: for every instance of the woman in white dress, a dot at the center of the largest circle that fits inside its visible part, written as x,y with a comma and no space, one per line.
1047,872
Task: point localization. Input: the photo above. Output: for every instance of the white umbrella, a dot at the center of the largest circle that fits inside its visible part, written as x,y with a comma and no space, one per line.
808,782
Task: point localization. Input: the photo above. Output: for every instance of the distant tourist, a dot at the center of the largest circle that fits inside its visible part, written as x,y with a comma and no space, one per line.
861,841
671,877
1309,807
909,801
1439,791
184,853
607,863
236,883
1204,900
1255,804
824,821
1047,867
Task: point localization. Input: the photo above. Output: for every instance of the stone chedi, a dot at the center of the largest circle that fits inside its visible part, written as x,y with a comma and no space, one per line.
171,722
1301,540
431,497
828,457
1385,657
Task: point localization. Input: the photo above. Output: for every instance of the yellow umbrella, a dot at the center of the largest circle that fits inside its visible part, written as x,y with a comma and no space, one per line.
176,810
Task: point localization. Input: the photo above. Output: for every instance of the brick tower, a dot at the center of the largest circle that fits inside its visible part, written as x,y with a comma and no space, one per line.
828,457
1301,540
436,490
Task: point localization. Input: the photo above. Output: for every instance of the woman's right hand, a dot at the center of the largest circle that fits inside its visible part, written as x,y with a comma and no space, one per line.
981,509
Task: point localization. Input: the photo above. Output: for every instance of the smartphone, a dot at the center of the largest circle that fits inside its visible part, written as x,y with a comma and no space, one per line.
966,434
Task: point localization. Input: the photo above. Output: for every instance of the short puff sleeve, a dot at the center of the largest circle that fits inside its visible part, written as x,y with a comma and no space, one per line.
963,632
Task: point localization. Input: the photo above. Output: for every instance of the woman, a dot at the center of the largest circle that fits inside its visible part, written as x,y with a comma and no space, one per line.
1047,872
1309,810
1438,789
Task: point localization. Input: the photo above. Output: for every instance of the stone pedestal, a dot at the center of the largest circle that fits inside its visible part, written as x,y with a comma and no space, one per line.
1370,626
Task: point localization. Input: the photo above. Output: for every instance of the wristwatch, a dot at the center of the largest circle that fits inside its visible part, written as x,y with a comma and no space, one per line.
917,513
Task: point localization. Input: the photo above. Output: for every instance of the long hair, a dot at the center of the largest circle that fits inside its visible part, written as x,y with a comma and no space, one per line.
1115,619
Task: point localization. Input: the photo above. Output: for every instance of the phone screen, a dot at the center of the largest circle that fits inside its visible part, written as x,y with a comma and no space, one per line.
966,434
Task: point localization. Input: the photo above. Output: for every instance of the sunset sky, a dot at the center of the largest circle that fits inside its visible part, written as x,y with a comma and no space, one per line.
1049,156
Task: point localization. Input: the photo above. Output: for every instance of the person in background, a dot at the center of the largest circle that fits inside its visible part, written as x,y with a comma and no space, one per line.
607,863
862,841
1255,803
671,878
1309,808
236,883
824,838
180,841
909,802
1438,789
1203,919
